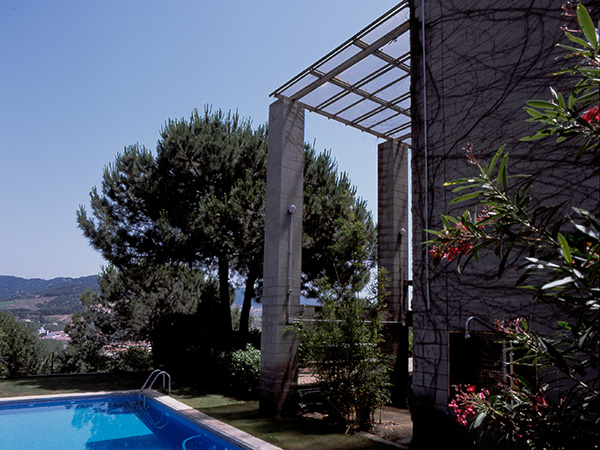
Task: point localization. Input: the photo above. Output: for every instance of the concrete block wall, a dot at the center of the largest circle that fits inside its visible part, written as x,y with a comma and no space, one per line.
392,254
481,61
392,218
281,300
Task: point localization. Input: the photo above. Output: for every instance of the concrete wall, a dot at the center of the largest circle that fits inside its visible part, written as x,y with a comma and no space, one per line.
285,167
483,60
392,254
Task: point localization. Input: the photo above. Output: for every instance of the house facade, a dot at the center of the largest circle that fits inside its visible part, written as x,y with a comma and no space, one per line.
472,66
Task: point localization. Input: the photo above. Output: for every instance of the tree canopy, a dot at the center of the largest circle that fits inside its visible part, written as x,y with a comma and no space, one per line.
197,205
20,348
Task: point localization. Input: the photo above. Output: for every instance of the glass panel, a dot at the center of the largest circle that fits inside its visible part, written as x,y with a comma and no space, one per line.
359,109
382,80
338,59
342,103
379,117
404,103
361,69
382,29
321,94
298,85
395,90
393,123
397,47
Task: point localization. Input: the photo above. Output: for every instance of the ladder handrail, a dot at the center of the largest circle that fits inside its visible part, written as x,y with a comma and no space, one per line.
152,379
148,379
154,376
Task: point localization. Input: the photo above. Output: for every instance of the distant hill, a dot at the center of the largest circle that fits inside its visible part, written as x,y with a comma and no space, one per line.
60,296
16,288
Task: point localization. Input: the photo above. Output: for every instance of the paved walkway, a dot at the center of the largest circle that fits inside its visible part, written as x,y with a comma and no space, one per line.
393,424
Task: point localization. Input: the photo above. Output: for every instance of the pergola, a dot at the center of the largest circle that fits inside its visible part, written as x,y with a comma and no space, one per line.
364,83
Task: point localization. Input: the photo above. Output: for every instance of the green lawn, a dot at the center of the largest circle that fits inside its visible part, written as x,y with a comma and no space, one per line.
289,433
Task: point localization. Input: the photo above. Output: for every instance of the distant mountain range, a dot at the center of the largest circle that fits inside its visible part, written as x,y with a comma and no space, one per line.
61,295
17,288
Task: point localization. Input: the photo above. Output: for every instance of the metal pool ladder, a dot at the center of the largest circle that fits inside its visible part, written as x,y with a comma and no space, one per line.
150,382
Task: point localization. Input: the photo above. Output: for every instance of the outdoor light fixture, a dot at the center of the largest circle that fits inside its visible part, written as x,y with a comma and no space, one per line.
467,334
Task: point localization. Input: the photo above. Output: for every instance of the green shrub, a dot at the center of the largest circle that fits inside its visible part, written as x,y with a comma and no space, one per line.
20,348
342,348
133,359
241,369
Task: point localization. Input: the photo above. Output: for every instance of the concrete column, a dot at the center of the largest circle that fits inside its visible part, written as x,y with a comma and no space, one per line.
283,232
392,202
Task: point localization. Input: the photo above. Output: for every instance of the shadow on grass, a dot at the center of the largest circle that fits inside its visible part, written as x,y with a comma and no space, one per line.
57,384
290,433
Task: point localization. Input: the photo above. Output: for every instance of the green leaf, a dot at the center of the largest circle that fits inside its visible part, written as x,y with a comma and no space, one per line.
576,40
591,97
572,100
584,337
502,172
587,231
465,197
495,159
461,181
559,97
565,249
557,283
479,419
538,135
447,220
559,361
587,26
534,113
462,188
541,104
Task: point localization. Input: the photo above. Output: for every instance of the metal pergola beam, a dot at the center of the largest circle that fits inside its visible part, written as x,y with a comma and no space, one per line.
352,60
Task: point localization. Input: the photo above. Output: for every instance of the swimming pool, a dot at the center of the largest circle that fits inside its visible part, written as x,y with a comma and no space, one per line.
110,422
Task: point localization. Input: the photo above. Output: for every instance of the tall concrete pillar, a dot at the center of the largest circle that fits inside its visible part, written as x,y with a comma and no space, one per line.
283,248
392,205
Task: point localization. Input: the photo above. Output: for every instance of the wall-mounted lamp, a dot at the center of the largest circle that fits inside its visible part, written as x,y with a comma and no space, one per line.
467,334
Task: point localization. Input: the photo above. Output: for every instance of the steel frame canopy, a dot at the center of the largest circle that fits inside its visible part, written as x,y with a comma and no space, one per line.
365,82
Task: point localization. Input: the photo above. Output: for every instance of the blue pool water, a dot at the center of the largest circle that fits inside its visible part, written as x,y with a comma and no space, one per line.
101,423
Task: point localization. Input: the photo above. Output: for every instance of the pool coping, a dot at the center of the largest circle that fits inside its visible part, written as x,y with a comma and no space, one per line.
229,433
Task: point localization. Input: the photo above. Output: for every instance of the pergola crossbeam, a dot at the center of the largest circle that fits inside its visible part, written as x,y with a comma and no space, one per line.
351,61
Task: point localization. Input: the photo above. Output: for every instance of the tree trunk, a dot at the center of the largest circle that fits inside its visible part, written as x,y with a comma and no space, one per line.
224,307
246,306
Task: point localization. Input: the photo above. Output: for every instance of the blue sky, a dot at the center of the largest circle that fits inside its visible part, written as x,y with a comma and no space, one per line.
80,80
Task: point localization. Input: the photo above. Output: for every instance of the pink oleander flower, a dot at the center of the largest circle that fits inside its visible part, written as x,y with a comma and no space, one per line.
592,116
464,404
510,326
450,252
486,213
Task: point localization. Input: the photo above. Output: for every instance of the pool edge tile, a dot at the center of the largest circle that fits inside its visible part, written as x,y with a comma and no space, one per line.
229,432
